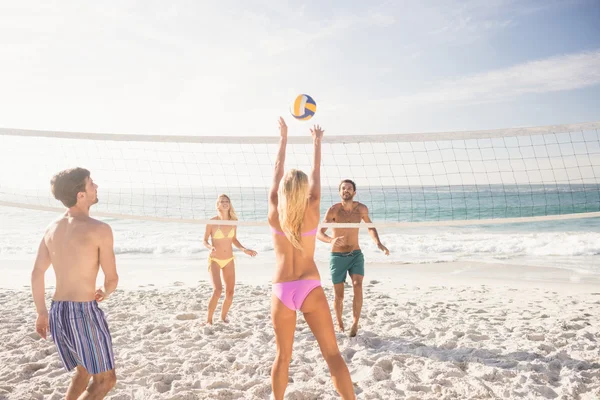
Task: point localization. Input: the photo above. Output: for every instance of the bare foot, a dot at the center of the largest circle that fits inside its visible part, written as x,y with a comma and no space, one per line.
354,329
225,320
340,327
207,323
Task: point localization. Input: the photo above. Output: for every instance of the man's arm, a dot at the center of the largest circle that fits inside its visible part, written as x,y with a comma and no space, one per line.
364,211
321,235
107,263
38,287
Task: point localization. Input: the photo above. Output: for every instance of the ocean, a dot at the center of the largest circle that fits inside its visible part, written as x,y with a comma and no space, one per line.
571,244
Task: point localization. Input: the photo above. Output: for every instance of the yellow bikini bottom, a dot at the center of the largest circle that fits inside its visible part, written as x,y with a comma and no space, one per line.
222,263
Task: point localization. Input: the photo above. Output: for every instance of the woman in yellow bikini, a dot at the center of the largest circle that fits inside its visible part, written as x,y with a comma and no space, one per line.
221,257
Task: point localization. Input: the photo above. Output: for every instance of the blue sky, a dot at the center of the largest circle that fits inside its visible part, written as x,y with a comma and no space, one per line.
200,68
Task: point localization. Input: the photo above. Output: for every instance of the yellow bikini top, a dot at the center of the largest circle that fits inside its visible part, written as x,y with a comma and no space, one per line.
219,234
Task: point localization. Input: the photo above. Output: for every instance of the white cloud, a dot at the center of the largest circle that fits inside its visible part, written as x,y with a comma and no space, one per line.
560,73
287,39
459,23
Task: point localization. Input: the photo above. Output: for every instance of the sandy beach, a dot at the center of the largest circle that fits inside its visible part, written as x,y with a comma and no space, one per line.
464,331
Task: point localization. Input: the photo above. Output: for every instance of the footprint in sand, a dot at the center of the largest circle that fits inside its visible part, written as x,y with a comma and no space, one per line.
378,374
207,329
34,335
32,367
222,345
261,390
536,337
218,385
477,338
348,353
161,387
186,316
546,348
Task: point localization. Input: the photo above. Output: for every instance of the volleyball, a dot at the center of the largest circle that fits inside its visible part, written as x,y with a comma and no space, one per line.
304,107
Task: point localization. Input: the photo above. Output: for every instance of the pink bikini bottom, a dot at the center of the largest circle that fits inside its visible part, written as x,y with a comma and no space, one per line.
292,294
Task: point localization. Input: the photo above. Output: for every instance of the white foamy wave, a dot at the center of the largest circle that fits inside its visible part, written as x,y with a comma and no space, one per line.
161,249
498,244
558,243
442,246
432,247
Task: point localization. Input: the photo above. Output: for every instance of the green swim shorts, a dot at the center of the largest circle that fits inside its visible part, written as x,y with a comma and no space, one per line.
341,264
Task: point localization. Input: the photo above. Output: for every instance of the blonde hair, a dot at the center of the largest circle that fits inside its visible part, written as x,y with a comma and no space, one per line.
232,215
293,199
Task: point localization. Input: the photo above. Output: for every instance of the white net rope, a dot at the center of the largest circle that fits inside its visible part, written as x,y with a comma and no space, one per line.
451,178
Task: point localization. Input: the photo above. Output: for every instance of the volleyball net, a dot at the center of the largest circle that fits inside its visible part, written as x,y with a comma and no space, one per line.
453,178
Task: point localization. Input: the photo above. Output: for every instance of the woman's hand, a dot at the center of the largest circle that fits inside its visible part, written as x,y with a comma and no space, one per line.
251,253
317,132
283,129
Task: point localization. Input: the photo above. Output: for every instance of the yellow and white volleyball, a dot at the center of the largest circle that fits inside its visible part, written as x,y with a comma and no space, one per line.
304,107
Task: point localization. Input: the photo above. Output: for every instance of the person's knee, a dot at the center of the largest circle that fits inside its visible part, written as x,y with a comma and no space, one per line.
217,291
79,380
284,357
338,291
110,380
332,357
357,283
229,292
81,374
107,380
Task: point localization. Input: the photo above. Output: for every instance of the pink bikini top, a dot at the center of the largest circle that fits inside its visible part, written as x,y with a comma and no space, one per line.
309,233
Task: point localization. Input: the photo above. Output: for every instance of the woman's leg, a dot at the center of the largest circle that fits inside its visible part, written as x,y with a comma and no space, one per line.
284,324
318,317
229,278
217,290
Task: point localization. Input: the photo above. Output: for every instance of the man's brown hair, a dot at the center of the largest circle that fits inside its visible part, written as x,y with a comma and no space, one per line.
347,181
66,184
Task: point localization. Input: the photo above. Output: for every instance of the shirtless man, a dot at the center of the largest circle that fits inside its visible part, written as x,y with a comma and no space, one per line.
76,245
346,256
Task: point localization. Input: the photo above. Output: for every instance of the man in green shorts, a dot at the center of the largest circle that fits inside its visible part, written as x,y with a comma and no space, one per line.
346,256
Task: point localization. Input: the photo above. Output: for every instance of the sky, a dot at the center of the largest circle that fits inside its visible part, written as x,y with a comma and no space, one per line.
232,67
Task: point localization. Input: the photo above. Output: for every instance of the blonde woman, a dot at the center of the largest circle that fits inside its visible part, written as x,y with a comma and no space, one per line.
294,202
221,259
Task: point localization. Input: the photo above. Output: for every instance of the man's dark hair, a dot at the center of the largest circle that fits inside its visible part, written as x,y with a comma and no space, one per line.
66,184
347,181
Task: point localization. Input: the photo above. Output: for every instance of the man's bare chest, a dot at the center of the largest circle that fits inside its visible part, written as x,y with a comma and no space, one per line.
344,217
